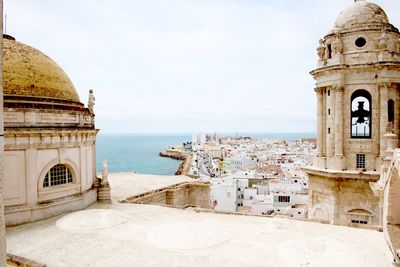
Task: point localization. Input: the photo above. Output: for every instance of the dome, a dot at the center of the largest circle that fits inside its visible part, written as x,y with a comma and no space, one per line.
30,73
361,13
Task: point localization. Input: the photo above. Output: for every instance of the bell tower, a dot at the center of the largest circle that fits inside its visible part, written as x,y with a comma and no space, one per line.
357,87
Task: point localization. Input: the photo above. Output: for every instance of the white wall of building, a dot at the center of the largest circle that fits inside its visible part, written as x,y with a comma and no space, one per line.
223,194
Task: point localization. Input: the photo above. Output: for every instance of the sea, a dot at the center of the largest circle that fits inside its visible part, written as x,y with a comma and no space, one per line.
140,152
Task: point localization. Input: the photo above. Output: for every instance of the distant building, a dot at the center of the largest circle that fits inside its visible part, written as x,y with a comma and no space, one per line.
213,151
198,141
223,194
241,164
245,179
227,165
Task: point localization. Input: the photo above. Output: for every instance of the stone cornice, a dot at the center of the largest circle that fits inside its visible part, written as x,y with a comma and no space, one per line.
362,29
342,67
38,139
336,174
34,118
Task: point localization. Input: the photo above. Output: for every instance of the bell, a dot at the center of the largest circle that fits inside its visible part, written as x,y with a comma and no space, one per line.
360,119
361,112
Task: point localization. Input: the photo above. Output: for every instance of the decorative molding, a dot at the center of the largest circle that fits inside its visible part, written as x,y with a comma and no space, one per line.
14,140
384,85
320,90
339,88
18,118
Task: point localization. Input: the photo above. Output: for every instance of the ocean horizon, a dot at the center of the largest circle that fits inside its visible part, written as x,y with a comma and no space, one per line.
139,152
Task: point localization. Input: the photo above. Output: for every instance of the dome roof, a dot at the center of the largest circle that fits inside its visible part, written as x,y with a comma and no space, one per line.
361,13
30,73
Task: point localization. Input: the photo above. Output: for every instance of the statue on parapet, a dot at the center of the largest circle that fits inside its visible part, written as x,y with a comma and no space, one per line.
104,172
103,189
321,49
91,101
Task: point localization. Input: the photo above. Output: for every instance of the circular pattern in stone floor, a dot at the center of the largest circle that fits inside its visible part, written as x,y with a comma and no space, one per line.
189,235
91,220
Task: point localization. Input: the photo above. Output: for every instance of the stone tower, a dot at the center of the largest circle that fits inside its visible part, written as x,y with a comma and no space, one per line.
357,86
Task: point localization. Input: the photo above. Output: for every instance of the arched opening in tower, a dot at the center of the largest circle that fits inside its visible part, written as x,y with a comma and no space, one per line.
361,114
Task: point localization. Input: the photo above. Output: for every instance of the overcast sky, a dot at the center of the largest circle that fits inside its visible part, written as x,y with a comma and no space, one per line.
187,66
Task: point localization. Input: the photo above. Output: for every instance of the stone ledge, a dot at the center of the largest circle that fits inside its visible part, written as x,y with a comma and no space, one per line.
335,174
13,260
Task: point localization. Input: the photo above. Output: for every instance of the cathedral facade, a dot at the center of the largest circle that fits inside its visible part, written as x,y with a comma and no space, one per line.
49,138
357,87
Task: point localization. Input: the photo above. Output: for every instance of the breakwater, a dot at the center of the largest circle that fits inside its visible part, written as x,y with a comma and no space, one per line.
186,159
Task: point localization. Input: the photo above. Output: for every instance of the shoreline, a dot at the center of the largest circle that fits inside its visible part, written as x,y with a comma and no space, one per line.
186,159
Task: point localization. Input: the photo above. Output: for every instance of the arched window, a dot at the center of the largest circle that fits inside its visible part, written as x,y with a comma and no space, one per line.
59,174
390,110
361,118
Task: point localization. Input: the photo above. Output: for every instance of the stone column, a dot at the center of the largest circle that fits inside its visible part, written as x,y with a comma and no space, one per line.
3,251
320,121
383,117
339,121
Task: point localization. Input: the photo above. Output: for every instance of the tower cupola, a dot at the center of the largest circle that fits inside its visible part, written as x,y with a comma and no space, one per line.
357,86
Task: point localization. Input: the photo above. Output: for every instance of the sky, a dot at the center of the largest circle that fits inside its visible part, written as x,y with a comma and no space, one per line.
186,66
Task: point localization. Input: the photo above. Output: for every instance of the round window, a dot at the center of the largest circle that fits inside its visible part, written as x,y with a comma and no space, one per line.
361,42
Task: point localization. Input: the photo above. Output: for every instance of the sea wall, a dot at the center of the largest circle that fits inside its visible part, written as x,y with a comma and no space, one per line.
183,168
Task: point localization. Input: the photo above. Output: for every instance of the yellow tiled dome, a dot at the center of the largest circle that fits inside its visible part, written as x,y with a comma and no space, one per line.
29,72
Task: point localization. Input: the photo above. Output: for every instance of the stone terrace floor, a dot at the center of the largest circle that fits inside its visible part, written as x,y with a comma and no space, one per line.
146,235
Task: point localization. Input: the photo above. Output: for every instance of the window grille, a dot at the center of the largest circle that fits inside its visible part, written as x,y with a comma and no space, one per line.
284,198
360,162
359,221
59,174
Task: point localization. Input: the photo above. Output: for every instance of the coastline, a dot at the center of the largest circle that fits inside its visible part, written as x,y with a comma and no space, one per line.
186,159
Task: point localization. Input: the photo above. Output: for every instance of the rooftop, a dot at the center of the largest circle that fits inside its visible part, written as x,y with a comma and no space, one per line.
147,235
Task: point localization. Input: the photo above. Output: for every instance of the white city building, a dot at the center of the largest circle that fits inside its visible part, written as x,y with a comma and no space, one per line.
198,141
223,194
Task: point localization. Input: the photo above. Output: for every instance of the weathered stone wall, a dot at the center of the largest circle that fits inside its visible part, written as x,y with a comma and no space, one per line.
153,198
199,196
336,200
182,195
388,189
177,197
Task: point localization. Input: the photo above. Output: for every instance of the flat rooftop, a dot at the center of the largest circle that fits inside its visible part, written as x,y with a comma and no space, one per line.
146,235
